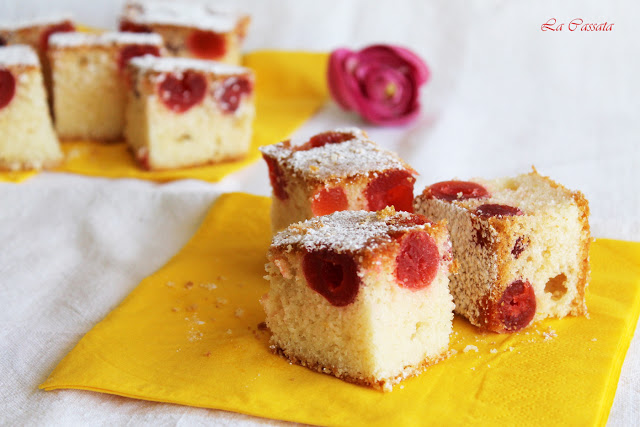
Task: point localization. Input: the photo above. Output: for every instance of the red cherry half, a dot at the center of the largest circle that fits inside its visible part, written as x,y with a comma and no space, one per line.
517,307
457,190
7,87
494,209
180,93
391,188
206,44
332,275
233,89
329,200
132,27
129,52
417,261
64,27
276,176
322,139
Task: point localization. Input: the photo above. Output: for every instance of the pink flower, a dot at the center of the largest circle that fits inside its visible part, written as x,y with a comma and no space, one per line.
381,82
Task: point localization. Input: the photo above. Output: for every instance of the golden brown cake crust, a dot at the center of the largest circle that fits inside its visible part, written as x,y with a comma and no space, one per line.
385,384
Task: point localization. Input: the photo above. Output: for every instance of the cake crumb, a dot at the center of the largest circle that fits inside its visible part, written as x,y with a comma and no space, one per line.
470,348
401,386
221,301
473,368
229,331
239,312
493,351
208,286
194,335
510,349
550,334
594,339
170,284
188,285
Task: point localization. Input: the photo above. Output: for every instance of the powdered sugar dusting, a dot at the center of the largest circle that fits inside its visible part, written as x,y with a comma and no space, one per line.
105,39
349,158
346,231
178,13
344,159
176,65
18,55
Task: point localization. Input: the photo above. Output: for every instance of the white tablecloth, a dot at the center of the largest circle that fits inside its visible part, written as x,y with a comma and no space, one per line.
504,96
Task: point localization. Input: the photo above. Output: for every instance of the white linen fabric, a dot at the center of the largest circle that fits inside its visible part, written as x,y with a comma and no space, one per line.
504,96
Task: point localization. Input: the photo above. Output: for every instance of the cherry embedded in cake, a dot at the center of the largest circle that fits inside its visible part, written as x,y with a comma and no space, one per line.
90,81
36,33
522,245
27,139
194,112
334,171
189,29
361,295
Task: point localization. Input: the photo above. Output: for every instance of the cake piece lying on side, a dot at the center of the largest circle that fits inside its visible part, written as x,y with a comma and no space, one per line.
27,139
190,29
335,171
522,245
90,81
188,112
361,295
36,33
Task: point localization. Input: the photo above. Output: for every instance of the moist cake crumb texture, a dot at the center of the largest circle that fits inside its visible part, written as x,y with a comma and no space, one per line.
340,303
522,248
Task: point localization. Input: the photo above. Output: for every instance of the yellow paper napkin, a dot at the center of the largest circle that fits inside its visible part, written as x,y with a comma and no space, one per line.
290,88
189,334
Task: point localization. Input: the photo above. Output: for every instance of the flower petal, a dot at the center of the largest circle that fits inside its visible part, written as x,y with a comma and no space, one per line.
340,86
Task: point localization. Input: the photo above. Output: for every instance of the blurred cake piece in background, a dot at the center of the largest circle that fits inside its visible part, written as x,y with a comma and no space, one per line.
187,112
27,139
90,81
195,29
334,171
36,33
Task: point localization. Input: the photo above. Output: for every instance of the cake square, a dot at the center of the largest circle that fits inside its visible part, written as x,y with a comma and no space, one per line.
27,138
522,244
195,29
90,81
36,33
361,295
187,112
334,171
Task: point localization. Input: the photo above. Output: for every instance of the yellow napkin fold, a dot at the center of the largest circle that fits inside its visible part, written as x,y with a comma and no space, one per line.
189,334
290,88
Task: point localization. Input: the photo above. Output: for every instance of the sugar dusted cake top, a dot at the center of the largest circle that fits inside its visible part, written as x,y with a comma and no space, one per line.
353,155
176,65
349,231
76,39
18,55
196,14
